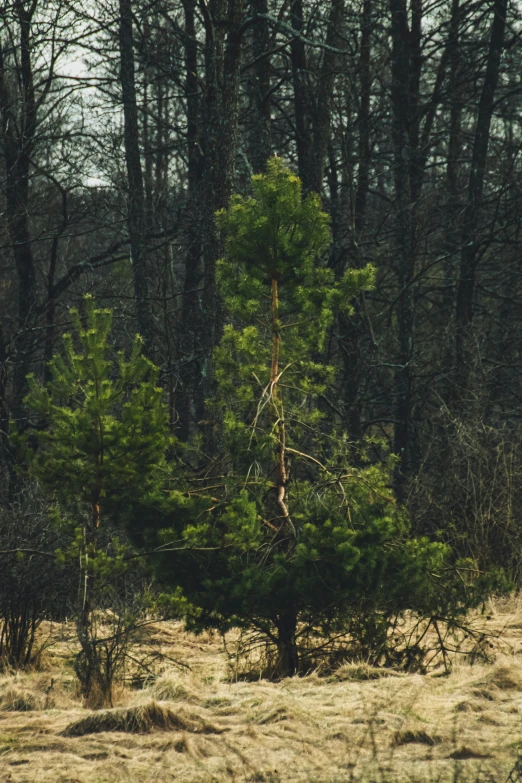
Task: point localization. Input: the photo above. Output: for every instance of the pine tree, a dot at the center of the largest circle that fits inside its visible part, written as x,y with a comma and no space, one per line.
101,441
290,539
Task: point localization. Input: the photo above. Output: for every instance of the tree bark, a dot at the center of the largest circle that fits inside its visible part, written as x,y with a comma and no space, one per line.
260,136
303,133
287,652
352,327
136,196
281,472
223,36
18,135
313,110
363,121
190,338
470,240
94,687
405,81
322,114
5,444
454,202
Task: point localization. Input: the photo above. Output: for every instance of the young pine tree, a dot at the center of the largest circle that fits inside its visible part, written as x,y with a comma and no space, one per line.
290,540
102,438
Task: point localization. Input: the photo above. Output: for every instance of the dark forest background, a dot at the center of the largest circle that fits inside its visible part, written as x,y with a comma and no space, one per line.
125,126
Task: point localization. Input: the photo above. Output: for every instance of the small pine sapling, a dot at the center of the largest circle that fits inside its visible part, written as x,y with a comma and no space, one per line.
102,435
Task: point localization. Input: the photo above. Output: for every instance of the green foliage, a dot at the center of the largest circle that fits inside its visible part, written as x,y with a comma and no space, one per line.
101,432
101,436
105,426
291,539
276,235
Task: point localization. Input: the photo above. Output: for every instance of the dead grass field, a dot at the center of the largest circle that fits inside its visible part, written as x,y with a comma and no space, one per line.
196,726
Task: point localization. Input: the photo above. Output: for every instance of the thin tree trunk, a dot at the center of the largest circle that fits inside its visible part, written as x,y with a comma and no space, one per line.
322,114
50,310
303,135
471,218
286,623
363,122
352,328
453,185
288,655
281,472
260,135
189,345
223,36
6,449
212,144
136,198
313,112
405,133
18,134
88,666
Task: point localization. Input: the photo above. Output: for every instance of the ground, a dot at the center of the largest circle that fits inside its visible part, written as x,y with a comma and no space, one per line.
356,724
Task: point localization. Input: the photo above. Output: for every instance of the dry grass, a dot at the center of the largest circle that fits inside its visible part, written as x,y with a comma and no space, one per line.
195,726
138,720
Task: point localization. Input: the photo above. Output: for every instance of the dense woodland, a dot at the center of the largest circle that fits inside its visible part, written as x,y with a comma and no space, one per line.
124,128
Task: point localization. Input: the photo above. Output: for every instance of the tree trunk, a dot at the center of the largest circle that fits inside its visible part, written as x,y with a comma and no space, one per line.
404,95
136,197
5,444
18,133
454,203
303,135
95,686
281,473
352,328
363,122
212,178
260,143
189,344
223,35
471,219
313,111
287,652
322,114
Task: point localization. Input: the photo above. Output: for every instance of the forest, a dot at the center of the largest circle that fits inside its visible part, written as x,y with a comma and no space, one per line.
260,331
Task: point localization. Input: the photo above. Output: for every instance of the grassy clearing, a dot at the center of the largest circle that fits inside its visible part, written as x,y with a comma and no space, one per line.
196,726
